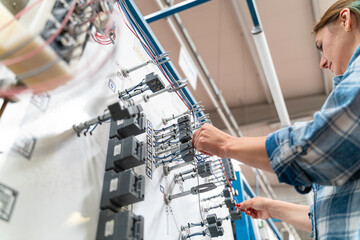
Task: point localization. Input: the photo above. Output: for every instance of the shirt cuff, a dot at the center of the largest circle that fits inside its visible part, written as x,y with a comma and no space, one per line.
283,153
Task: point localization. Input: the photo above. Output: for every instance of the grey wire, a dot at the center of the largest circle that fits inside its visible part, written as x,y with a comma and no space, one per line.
38,70
17,48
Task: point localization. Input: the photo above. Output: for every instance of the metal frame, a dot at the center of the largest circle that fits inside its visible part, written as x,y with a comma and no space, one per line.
153,40
172,10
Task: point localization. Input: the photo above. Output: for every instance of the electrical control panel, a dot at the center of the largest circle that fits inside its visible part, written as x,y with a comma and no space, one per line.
109,154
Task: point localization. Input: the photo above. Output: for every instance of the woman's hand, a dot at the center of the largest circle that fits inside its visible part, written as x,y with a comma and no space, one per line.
256,207
211,141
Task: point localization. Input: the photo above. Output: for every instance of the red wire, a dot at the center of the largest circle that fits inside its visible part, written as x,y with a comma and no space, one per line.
161,69
19,14
28,55
39,87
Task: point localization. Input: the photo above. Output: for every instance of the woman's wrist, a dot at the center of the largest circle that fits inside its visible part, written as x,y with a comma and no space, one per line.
226,147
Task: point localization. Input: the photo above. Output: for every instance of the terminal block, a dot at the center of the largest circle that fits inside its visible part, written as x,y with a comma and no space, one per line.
183,119
187,152
186,126
204,170
229,169
128,127
215,230
229,202
235,214
211,218
121,189
124,154
227,192
185,136
122,225
185,129
154,82
122,110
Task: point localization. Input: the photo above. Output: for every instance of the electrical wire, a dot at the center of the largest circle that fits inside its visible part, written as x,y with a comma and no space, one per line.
169,161
19,14
166,140
147,48
195,234
174,153
166,128
58,80
31,54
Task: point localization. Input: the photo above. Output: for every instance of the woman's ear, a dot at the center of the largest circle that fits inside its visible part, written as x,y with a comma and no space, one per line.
346,19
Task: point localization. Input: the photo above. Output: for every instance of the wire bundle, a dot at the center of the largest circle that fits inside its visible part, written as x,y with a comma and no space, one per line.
149,48
103,39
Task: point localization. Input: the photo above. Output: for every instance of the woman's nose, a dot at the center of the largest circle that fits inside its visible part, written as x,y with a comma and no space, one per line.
323,63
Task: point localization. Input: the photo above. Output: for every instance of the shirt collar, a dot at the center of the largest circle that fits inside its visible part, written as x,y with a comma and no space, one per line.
337,79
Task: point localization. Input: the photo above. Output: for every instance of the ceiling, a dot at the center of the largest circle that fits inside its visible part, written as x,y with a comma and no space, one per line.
221,42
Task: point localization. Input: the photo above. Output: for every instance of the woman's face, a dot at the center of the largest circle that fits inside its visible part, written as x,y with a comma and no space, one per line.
337,42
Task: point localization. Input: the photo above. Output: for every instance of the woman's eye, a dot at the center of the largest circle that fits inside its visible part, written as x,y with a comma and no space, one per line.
319,47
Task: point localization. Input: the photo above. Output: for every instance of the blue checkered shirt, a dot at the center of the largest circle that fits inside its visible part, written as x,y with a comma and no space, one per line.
325,153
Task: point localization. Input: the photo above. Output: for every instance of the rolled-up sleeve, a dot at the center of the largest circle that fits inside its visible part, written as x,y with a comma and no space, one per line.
325,150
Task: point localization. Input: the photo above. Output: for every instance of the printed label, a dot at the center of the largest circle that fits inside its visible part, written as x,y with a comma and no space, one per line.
41,101
117,149
114,184
24,145
109,228
112,85
7,202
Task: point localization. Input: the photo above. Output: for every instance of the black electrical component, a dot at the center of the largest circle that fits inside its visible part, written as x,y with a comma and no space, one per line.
59,11
228,168
128,127
185,127
215,230
227,192
124,154
187,152
59,44
204,170
123,110
183,119
154,82
235,215
121,189
185,136
211,218
120,226
229,202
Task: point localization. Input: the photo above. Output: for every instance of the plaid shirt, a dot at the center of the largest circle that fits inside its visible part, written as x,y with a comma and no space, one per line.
325,152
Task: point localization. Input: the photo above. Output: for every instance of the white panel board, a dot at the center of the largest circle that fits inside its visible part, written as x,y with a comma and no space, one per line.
51,179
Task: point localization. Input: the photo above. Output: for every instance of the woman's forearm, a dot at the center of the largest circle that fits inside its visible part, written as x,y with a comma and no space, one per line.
294,214
248,150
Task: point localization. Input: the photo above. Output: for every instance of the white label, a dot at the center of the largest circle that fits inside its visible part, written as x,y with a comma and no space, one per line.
109,228
188,67
113,184
119,122
117,149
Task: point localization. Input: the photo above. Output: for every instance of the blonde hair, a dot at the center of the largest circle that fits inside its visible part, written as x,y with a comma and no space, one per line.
334,11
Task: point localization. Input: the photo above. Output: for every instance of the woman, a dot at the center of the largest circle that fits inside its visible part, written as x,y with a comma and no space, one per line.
324,152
